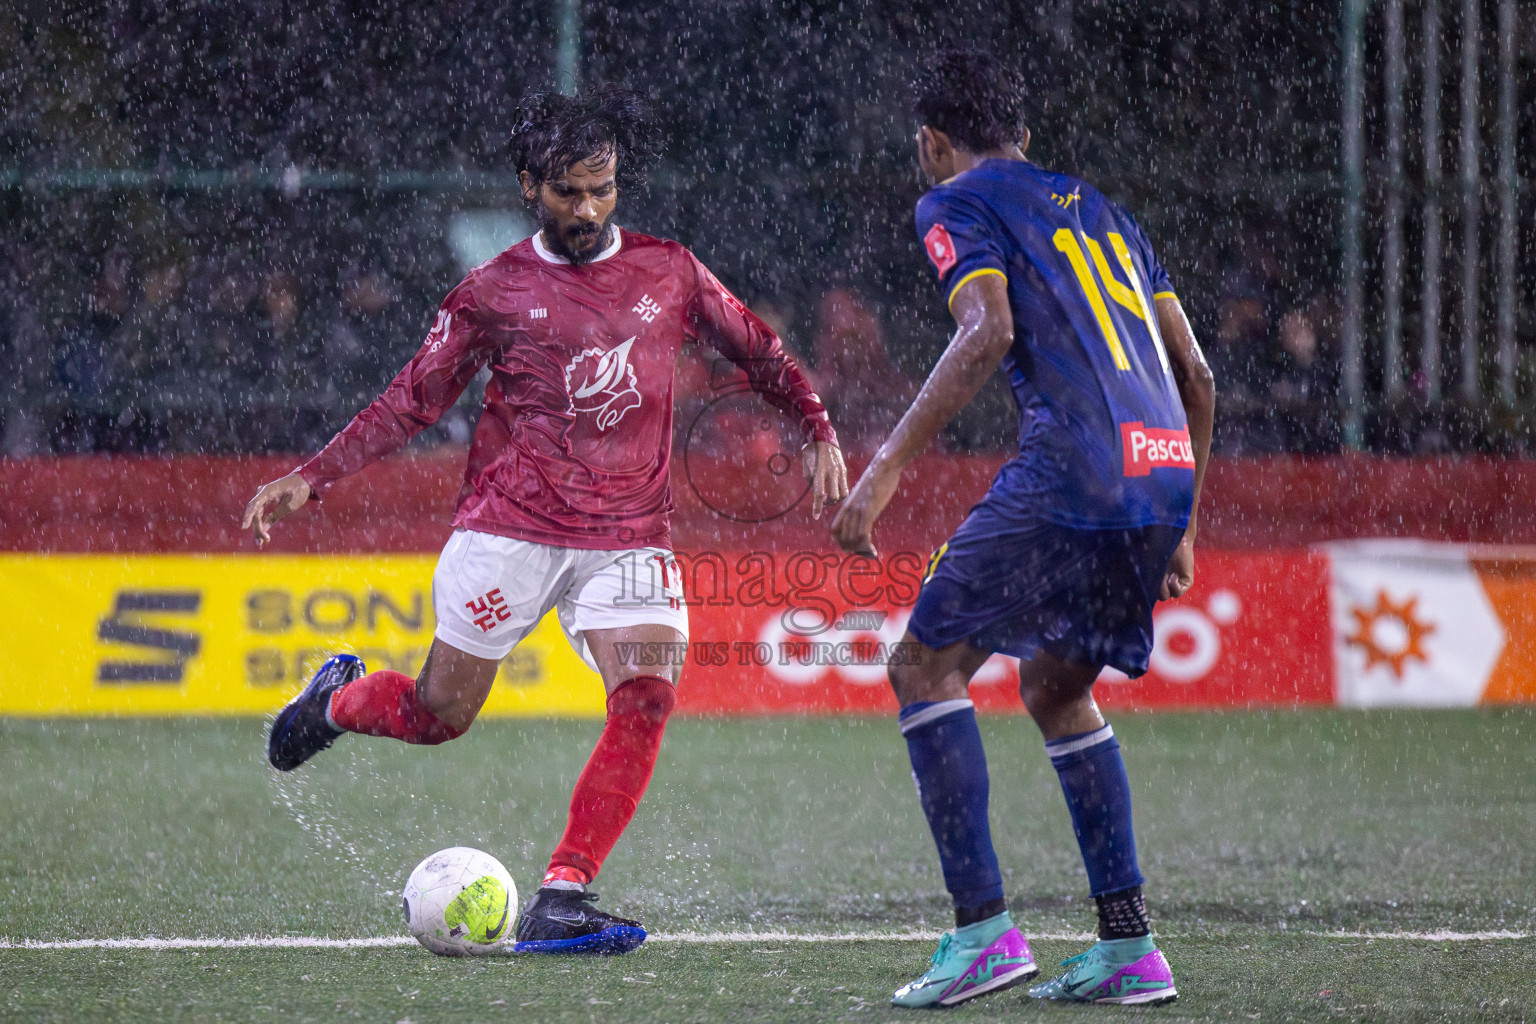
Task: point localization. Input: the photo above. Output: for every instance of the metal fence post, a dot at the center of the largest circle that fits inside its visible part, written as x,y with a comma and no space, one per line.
1434,183
568,46
1508,194
1352,392
1392,242
1470,386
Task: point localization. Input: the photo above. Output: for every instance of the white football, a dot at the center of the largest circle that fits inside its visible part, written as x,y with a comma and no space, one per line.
461,902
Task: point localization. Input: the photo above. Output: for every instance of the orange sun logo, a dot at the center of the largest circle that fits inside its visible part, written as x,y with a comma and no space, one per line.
1390,634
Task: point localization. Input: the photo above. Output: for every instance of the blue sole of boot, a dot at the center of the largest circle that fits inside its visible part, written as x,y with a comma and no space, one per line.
609,941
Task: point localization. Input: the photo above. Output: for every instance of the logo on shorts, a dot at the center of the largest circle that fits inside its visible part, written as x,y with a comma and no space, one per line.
603,383
489,609
1149,448
941,248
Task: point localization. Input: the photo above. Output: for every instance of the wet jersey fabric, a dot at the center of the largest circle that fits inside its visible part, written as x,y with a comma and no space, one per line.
573,443
1103,441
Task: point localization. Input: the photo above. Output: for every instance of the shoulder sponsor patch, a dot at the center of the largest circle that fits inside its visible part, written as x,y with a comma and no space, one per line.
1149,448
439,332
941,249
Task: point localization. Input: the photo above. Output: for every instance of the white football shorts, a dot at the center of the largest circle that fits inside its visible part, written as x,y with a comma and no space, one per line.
489,592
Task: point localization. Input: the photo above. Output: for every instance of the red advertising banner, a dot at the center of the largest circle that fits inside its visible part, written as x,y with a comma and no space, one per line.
812,633
183,504
1254,630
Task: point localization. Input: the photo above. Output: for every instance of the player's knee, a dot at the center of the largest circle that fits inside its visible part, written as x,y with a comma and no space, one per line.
1037,702
1031,692
900,678
1054,707
912,683
1041,696
648,698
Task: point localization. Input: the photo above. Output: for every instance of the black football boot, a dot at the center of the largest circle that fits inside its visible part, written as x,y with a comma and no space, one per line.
301,729
565,921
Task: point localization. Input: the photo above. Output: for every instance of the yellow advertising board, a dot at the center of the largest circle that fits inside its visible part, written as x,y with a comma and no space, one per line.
237,634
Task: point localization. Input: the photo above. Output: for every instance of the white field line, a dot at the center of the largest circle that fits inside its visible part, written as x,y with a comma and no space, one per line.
1428,936
249,942
383,941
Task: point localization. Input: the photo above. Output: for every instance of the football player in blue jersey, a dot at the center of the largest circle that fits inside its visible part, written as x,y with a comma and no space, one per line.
1080,534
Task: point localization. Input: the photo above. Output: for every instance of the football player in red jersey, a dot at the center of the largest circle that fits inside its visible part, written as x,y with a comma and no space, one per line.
566,493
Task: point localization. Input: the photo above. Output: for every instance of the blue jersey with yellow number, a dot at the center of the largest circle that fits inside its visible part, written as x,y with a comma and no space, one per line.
1103,441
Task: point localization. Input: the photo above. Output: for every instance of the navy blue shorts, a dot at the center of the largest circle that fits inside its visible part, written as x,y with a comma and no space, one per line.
1022,586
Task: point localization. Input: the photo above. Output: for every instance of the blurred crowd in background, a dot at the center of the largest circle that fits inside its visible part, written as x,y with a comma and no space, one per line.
198,350
233,313
203,347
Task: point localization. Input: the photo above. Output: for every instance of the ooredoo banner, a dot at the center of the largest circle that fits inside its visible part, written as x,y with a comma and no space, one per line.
1254,631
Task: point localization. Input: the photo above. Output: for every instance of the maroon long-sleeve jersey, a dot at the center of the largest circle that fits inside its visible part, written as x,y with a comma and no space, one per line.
574,441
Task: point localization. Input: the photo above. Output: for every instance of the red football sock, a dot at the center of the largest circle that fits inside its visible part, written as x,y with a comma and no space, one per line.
616,775
384,703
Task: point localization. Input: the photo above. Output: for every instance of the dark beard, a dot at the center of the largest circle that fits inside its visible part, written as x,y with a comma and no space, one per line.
556,243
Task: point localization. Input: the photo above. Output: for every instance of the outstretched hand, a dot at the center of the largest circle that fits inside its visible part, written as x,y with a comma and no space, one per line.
855,522
274,501
825,469
1181,570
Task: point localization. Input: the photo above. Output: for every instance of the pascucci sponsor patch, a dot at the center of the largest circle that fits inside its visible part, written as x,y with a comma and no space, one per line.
1148,448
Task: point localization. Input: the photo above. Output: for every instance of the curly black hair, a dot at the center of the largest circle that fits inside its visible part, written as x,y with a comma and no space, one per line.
553,131
972,97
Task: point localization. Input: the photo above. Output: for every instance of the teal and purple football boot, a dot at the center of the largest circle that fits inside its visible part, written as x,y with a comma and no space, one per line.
987,956
1129,972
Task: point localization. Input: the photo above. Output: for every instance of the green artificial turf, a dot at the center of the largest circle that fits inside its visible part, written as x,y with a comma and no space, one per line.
1259,833
1273,978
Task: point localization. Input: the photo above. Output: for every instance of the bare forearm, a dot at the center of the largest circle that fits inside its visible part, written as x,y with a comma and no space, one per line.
1197,388
959,375
1200,410
983,337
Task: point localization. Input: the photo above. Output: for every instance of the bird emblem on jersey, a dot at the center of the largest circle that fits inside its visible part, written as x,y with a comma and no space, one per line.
603,383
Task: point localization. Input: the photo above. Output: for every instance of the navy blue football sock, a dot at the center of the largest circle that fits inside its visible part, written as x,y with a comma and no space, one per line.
950,769
1099,799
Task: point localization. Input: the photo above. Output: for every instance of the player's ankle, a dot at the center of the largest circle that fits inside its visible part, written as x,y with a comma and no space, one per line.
967,916
1123,914
985,931
330,719
1126,951
563,876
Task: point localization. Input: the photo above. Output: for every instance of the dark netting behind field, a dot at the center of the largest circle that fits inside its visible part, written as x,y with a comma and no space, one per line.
224,229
